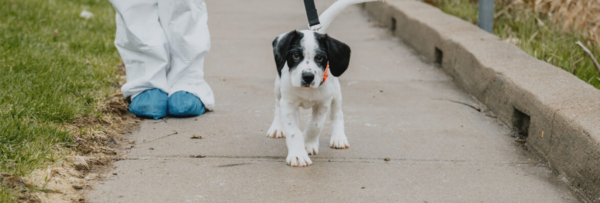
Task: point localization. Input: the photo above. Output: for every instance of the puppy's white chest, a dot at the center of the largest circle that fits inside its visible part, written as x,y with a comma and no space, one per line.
307,104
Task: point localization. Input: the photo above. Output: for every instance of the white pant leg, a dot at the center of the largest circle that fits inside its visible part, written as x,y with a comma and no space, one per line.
143,46
186,28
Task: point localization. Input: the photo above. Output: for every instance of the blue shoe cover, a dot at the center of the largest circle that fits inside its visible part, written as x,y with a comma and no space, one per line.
185,104
150,103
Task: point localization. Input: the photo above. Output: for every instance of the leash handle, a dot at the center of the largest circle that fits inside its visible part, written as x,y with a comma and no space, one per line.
313,16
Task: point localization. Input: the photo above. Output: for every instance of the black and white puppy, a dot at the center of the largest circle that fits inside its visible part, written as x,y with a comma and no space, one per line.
308,64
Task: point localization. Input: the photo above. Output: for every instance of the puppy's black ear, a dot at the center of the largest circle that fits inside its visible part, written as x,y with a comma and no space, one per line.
339,56
281,45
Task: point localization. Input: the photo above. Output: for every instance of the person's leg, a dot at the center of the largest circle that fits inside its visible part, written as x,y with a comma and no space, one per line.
144,49
185,25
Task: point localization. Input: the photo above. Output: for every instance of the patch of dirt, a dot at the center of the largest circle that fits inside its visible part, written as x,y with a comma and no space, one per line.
17,183
96,144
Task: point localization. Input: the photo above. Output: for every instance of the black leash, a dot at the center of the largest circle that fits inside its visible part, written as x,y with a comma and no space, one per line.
313,16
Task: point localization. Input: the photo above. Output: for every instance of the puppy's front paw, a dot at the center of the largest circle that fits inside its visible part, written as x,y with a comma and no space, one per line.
312,147
339,142
275,132
298,159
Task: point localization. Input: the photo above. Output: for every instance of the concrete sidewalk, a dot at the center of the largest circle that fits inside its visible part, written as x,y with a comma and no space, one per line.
395,106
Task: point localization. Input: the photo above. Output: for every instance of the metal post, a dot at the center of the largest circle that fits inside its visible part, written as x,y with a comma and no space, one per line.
486,15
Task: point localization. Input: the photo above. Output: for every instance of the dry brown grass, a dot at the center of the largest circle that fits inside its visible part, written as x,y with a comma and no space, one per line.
546,29
578,16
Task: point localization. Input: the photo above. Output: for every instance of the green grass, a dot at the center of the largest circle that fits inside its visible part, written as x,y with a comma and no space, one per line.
7,194
544,40
50,78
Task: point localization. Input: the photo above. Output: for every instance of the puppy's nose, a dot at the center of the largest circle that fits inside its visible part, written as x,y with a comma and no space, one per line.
308,77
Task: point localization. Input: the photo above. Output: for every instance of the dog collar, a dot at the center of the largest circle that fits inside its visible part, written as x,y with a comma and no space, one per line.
326,74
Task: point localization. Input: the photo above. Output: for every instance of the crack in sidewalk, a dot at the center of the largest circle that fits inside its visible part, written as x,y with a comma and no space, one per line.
343,160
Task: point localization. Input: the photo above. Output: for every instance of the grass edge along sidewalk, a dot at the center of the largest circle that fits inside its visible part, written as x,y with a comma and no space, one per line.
540,33
57,73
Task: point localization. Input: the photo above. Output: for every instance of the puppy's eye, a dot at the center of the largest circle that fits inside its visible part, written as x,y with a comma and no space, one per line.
296,56
319,59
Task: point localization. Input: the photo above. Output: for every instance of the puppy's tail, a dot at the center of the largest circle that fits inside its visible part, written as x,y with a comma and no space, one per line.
335,9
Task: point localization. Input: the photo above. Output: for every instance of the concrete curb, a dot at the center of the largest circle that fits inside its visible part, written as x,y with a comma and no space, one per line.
558,113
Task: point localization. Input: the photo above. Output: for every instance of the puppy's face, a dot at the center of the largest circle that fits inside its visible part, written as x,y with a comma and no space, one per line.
307,55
